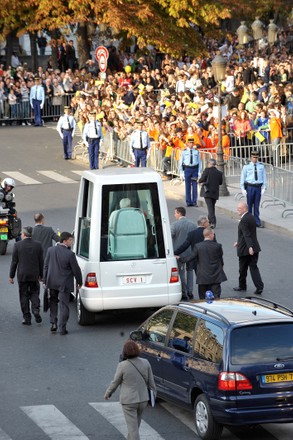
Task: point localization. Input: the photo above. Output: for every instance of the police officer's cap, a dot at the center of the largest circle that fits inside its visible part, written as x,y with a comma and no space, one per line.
36,78
93,113
190,139
254,153
66,107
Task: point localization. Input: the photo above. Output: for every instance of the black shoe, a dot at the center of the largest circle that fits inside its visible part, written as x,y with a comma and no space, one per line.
260,226
53,328
38,318
64,332
190,295
184,298
239,289
25,322
258,292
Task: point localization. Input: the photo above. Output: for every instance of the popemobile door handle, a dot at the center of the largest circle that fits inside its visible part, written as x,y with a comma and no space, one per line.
186,367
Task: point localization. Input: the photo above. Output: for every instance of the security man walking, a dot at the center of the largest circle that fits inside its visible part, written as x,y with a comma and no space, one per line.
37,99
92,134
190,164
66,129
140,145
253,183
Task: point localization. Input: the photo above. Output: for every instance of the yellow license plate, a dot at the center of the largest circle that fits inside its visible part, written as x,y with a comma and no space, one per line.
3,229
275,378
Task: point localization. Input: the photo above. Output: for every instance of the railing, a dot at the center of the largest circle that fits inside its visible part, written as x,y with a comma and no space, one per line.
22,112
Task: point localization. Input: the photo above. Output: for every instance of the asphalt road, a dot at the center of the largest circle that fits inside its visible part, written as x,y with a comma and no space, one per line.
52,387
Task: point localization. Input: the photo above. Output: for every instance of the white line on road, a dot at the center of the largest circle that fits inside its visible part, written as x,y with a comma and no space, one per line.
22,178
4,436
79,172
53,422
56,176
112,411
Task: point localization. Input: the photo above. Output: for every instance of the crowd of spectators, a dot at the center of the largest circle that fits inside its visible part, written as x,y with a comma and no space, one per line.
170,94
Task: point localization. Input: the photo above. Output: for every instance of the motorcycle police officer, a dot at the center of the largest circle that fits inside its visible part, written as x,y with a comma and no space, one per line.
6,195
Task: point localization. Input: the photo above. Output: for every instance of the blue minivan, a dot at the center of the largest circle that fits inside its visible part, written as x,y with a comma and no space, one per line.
228,360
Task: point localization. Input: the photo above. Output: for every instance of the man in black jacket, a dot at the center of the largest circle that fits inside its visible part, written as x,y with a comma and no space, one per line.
27,259
60,269
44,234
209,264
248,249
211,180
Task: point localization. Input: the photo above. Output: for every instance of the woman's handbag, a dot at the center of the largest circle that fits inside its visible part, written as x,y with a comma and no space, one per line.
152,394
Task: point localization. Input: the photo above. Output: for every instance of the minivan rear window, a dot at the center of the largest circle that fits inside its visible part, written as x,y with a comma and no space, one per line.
262,343
131,222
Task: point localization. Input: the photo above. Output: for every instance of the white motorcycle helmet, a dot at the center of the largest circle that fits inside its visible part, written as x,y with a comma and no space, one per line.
7,181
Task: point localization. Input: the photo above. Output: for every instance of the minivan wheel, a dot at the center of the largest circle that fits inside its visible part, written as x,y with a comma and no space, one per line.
84,317
206,426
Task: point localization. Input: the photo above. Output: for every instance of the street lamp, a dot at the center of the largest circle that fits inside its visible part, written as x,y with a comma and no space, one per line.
219,64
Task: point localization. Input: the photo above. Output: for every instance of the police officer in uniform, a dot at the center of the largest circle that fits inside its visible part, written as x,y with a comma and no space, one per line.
92,134
140,145
66,128
37,99
190,164
253,183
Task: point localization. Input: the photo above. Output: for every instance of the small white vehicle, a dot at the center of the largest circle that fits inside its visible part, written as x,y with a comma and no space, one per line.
123,243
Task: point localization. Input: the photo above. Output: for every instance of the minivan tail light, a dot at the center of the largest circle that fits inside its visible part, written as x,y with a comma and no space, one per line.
174,275
233,382
91,280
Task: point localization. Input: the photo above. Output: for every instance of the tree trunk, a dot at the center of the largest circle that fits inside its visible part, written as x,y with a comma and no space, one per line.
83,44
12,45
34,51
54,47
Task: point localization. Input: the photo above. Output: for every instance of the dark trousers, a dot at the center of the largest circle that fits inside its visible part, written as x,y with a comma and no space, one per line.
140,157
37,112
190,176
253,201
93,149
63,309
67,143
215,288
249,261
211,203
54,306
29,292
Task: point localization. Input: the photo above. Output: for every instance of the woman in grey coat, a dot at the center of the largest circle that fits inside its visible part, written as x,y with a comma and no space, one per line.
135,376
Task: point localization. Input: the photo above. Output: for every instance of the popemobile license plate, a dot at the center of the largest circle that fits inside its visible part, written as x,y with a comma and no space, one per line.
275,378
139,279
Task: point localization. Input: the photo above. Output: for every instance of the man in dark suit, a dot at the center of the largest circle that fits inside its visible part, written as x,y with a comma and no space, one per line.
211,180
27,259
60,269
209,264
179,230
44,234
248,249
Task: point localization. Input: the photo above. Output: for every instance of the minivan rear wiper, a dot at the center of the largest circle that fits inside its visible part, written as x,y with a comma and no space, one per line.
289,358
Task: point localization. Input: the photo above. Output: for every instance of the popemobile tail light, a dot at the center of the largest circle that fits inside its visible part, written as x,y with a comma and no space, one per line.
174,275
91,280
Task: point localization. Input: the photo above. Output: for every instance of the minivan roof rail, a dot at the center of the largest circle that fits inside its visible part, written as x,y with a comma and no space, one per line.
270,305
207,312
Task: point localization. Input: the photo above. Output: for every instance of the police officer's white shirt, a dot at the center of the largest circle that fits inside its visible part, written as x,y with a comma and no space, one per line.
63,124
92,130
190,157
139,140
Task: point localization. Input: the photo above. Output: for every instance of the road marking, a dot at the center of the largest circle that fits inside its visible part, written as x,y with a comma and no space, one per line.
53,422
79,172
22,178
4,436
112,412
56,176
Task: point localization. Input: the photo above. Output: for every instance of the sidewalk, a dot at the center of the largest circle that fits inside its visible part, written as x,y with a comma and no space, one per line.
270,214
